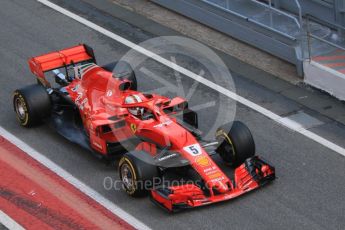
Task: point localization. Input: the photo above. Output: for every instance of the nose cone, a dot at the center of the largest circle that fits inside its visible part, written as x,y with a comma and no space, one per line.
222,187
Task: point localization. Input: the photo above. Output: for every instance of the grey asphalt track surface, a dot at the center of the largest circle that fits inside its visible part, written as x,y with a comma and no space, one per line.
308,194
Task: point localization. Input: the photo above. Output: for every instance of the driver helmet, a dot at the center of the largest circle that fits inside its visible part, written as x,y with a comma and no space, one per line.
131,99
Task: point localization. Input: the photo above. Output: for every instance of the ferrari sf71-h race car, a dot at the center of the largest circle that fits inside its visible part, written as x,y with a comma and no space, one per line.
100,108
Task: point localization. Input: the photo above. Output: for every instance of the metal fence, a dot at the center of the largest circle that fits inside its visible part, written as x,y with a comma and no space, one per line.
263,15
276,26
326,46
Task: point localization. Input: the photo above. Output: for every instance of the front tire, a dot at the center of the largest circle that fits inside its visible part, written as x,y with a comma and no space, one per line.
31,104
236,143
136,175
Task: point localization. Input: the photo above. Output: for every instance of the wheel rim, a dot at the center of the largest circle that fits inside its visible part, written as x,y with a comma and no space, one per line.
228,154
127,177
225,137
20,108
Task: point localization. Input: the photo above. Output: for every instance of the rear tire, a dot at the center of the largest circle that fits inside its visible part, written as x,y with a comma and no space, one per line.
236,143
31,104
136,174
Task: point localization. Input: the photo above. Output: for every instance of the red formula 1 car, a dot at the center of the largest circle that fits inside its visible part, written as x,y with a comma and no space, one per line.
157,137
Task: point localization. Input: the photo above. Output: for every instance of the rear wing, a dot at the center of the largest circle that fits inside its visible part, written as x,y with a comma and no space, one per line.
58,59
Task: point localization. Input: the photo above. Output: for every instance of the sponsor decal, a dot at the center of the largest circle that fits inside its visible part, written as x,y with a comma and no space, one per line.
109,93
163,124
167,157
215,175
203,161
217,179
210,169
81,104
75,88
80,95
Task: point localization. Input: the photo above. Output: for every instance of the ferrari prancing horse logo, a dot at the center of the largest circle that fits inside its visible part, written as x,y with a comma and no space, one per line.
133,128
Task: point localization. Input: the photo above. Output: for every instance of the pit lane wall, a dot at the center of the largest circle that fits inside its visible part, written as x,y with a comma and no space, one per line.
324,78
277,31
325,67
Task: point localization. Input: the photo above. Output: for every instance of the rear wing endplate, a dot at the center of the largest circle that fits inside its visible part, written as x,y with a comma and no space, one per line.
58,59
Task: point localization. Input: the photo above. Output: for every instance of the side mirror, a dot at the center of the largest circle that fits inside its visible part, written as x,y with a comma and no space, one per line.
175,105
190,117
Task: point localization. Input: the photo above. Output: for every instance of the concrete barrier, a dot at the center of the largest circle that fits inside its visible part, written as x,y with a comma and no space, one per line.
325,78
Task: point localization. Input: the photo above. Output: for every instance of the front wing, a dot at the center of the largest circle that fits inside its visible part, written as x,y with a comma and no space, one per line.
252,174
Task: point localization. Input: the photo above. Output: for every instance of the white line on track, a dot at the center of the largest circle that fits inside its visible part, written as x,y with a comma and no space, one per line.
72,180
198,78
8,222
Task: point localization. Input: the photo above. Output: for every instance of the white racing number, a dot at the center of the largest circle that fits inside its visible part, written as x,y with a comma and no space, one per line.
193,150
